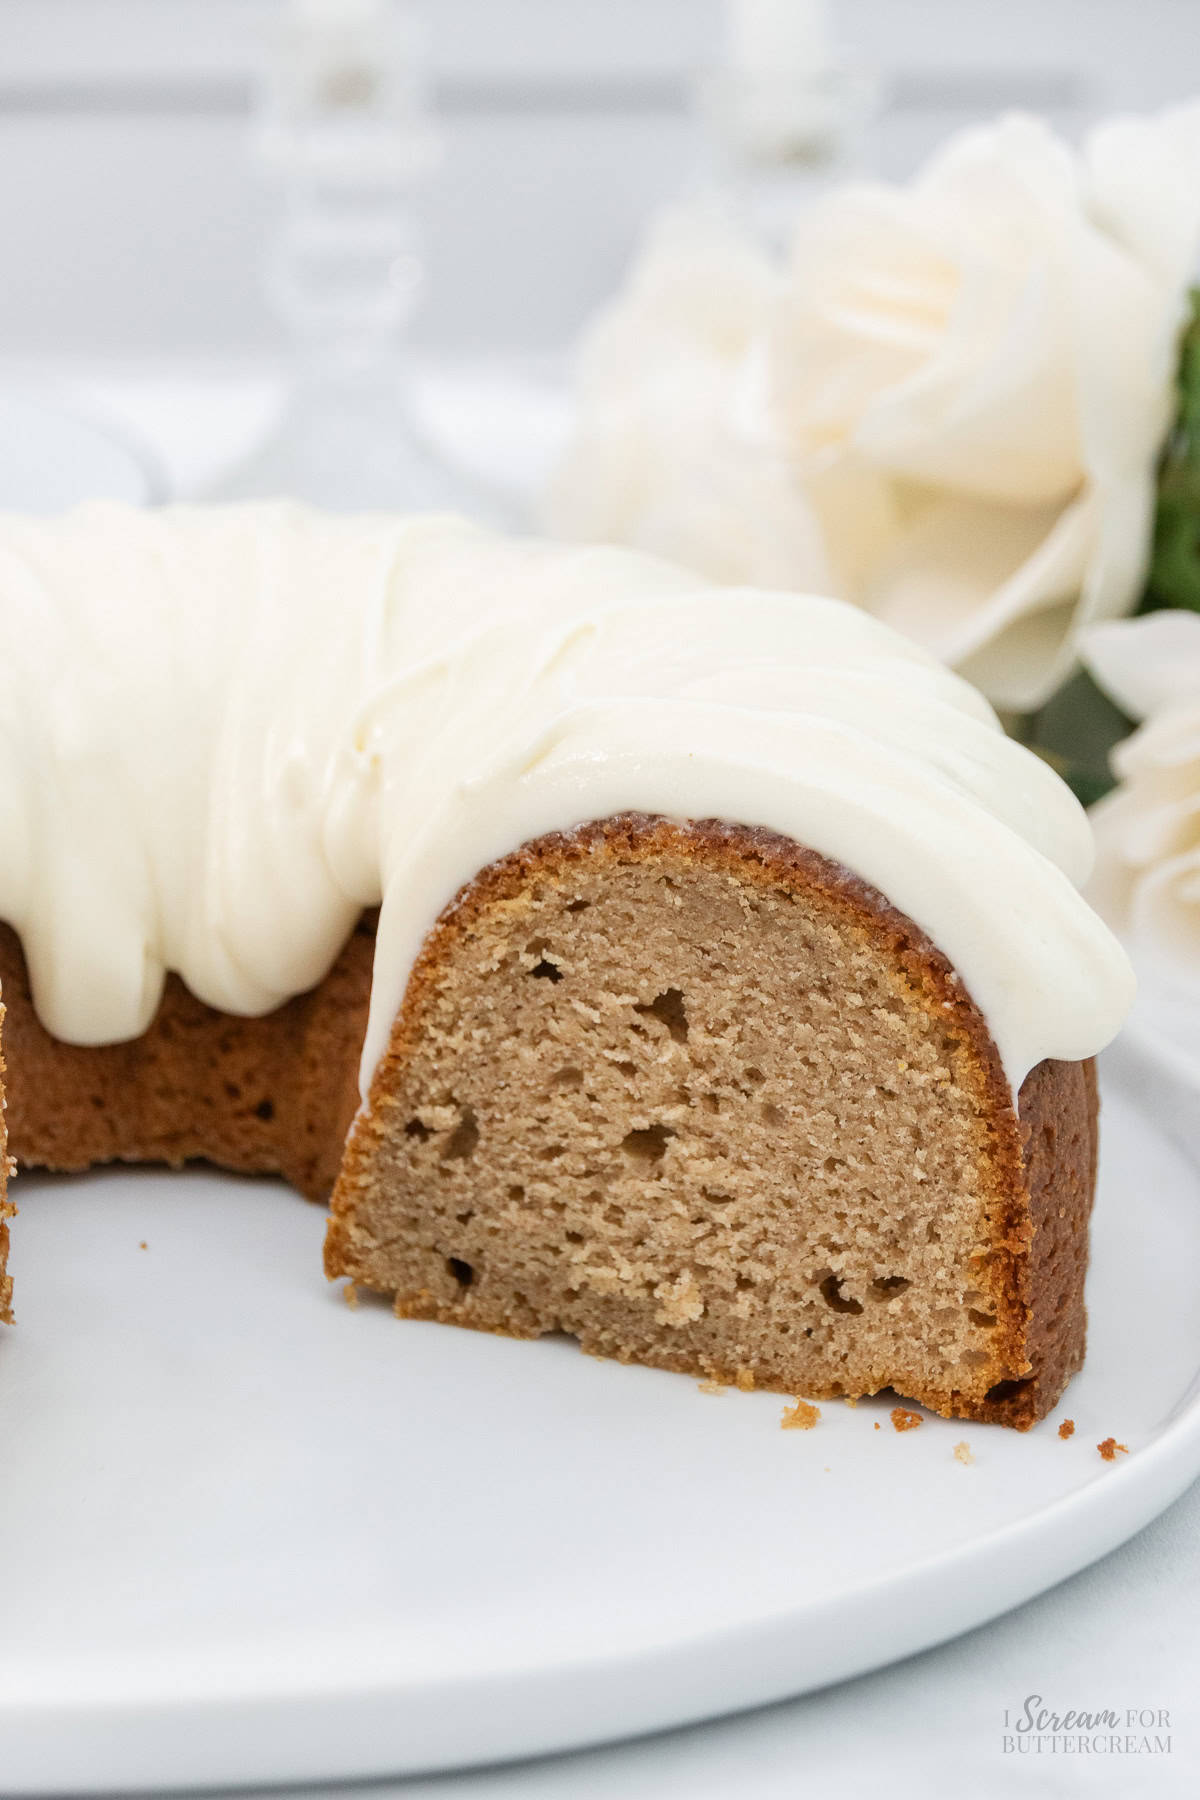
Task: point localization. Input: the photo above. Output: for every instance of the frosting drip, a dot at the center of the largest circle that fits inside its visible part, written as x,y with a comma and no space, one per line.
223,732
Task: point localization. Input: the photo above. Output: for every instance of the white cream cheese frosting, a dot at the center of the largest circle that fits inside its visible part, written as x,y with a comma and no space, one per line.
225,731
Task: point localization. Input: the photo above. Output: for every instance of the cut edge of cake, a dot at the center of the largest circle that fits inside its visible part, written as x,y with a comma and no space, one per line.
7,1209
424,1215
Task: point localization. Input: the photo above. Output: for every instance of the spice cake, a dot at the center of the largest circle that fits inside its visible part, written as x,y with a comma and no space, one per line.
700,972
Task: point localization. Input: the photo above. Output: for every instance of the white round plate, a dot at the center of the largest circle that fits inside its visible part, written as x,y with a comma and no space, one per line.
52,457
251,1535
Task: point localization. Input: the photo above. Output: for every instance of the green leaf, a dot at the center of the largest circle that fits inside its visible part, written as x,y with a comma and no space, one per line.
1174,575
1075,733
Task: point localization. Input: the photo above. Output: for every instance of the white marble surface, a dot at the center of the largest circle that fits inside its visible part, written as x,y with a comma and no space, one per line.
1121,1635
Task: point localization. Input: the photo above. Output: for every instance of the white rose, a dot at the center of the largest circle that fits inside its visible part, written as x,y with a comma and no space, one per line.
996,344
670,451
948,408
1146,880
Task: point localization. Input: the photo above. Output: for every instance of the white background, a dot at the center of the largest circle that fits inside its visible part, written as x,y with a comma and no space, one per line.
131,219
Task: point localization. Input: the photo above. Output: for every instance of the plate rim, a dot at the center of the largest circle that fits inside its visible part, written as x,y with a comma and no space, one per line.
330,1723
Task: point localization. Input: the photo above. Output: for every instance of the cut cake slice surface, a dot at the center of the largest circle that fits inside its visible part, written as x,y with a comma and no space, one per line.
705,1100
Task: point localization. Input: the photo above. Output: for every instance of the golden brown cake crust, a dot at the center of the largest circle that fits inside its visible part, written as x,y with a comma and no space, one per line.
273,1095
1040,1168
7,1209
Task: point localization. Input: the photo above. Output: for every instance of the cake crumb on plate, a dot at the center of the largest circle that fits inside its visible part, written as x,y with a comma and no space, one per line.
711,1386
962,1453
1067,1428
1108,1449
905,1420
801,1417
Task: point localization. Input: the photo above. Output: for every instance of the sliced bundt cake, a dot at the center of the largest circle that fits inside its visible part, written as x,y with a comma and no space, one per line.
705,1100
730,1000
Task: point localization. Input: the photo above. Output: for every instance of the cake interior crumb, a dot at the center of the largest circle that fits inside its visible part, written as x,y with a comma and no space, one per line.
903,1419
1109,1448
1067,1428
962,1453
801,1417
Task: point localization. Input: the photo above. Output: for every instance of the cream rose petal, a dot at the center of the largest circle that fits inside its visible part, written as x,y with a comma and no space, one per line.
1165,916
972,581
1146,881
1143,188
991,412
865,303
1147,664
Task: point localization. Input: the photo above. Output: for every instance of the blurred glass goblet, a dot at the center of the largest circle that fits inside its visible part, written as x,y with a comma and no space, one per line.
345,131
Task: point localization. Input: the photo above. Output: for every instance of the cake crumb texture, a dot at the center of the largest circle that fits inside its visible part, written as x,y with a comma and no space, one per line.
905,1420
962,1454
800,1417
1067,1429
1110,1447
704,1100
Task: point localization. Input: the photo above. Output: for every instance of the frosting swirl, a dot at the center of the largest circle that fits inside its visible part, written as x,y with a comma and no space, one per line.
225,731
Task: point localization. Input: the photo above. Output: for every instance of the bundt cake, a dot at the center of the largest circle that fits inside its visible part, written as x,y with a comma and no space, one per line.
711,967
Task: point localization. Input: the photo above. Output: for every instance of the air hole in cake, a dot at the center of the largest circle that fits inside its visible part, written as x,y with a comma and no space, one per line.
743,1283
668,1008
573,1237
886,1287
626,1068
1005,1390
648,1145
546,971
464,1218
984,1319
516,1192
463,1138
773,1115
754,1076
552,1152
578,906
710,1102
462,1272
716,1196
265,1110
416,1129
975,1359
568,1078
831,1293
